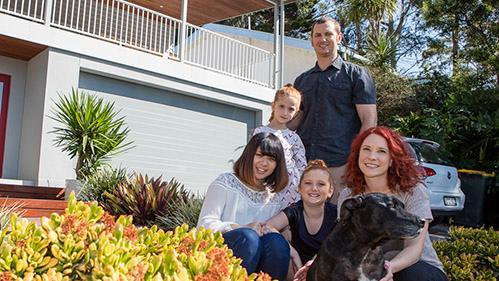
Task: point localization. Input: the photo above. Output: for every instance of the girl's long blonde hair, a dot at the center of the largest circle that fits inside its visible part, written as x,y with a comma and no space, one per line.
286,91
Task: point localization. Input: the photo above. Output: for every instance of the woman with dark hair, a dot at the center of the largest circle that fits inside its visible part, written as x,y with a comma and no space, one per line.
380,162
236,204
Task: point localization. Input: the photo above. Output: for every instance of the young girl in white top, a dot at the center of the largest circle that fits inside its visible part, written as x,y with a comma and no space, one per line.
284,107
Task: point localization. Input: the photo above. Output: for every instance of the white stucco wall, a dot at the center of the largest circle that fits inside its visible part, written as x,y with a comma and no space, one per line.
29,156
17,70
62,75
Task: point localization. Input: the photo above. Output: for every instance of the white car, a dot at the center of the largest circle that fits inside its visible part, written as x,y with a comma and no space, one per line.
441,179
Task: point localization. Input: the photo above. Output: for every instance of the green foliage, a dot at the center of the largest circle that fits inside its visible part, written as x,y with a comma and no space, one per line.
90,130
394,93
145,199
183,212
88,244
460,113
470,254
95,184
381,49
468,31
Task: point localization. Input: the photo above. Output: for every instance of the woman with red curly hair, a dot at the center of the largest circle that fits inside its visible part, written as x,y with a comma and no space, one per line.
380,162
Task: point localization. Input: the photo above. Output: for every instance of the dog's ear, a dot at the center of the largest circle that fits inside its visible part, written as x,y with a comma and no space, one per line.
349,205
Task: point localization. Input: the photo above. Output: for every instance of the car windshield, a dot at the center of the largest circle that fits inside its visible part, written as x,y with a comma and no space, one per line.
429,153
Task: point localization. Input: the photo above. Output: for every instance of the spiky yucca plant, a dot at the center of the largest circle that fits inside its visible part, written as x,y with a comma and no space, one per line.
182,213
105,179
7,211
89,129
145,199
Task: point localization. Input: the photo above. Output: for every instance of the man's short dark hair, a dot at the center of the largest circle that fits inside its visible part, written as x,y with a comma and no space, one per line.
325,19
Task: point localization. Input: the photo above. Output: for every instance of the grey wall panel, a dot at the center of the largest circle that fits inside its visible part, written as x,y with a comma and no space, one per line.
175,135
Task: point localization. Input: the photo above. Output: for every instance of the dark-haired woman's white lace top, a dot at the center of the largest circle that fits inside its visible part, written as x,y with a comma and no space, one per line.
294,152
230,201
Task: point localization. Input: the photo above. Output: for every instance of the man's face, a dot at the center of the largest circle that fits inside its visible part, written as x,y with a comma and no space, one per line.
325,39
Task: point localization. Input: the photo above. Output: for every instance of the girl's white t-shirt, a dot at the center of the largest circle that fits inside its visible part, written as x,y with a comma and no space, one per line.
230,201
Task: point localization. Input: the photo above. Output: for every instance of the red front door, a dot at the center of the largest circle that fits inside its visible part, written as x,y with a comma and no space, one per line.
4,102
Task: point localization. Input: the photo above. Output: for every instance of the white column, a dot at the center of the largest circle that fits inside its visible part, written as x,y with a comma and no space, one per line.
276,46
183,29
48,12
281,45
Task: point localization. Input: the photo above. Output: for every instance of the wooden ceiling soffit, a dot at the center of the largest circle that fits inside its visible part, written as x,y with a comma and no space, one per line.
200,12
19,49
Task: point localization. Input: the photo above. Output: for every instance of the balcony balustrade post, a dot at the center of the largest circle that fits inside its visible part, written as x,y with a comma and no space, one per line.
281,43
183,29
276,46
48,12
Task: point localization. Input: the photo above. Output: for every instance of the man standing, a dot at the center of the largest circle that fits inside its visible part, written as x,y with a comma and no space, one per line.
338,102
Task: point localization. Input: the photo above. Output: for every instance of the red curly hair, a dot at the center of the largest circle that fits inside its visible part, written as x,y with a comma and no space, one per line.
402,174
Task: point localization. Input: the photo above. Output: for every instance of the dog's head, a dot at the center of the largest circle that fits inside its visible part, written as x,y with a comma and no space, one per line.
382,216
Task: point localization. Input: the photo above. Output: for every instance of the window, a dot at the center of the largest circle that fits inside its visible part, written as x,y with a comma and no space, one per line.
429,153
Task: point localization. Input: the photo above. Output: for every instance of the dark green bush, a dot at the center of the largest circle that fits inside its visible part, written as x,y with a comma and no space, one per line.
470,254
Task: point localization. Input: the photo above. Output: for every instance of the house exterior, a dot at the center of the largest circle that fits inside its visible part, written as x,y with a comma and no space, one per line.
299,55
189,113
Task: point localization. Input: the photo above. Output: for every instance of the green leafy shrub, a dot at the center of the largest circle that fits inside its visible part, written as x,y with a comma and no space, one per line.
470,254
105,179
86,243
145,199
184,212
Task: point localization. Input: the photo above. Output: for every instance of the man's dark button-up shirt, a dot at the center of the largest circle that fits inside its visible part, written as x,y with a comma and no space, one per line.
330,120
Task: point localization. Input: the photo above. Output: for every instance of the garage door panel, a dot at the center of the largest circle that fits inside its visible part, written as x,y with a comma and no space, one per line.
175,135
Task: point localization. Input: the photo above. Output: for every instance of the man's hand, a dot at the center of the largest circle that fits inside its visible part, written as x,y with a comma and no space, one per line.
301,274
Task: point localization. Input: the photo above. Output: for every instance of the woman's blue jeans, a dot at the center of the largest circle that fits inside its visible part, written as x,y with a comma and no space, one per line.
269,253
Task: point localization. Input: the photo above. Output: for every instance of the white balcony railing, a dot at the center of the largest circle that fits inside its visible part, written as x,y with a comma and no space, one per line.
29,9
221,53
118,21
134,26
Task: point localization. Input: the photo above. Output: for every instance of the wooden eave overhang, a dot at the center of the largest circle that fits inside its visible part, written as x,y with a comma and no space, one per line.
19,49
200,12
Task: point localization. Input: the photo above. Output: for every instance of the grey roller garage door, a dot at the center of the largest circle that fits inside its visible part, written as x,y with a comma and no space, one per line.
175,135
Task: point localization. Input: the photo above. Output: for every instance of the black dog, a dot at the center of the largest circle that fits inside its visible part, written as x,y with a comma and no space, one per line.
352,251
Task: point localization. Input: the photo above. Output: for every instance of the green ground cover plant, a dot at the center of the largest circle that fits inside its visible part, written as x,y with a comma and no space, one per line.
470,254
86,243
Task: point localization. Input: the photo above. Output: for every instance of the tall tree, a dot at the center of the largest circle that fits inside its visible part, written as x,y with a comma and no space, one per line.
379,25
466,31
